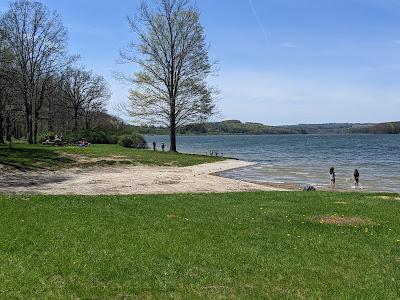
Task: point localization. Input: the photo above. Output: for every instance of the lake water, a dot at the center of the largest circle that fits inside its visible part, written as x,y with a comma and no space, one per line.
305,159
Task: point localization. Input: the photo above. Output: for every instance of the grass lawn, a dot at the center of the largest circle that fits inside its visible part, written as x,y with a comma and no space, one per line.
26,157
245,245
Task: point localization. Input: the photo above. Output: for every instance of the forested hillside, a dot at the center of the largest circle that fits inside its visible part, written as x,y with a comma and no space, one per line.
382,128
237,127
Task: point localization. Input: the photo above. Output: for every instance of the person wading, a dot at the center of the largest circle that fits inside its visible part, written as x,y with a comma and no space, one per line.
332,177
356,178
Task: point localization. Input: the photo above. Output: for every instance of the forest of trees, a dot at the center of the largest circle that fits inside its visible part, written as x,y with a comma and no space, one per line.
381,128
43,88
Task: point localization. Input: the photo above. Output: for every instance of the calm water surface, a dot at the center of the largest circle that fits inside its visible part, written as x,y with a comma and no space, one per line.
305,159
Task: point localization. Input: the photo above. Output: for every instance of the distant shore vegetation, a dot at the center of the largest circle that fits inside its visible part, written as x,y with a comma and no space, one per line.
238,127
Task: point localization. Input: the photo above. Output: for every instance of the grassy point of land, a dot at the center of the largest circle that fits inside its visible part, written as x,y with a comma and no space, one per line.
240,245
31,157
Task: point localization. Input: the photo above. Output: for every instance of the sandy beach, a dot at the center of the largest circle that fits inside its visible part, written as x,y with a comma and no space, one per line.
128,180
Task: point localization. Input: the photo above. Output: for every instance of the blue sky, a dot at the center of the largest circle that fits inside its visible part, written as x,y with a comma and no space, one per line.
280,61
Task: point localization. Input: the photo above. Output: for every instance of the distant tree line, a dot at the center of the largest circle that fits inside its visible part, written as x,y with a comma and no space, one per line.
382,128
42,86
238,127
223,127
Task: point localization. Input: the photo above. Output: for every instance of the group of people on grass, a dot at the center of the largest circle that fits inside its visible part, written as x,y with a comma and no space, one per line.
356,176
57,138
83,143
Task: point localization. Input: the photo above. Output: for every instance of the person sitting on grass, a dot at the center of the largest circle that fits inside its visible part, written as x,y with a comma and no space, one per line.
83,143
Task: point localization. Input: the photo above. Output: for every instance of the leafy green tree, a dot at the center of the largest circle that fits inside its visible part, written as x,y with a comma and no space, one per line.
171,87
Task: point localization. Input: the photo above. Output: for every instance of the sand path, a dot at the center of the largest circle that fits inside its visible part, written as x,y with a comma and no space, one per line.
128,180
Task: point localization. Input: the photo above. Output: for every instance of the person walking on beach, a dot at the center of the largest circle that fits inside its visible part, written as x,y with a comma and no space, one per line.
163,147
154,146
356,178
332,177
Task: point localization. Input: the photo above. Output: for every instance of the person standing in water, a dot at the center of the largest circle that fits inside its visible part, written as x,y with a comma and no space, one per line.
154,146
163,147
356,178
332,177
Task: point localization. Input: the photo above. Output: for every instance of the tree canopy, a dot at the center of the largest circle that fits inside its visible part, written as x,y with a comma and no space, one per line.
171,87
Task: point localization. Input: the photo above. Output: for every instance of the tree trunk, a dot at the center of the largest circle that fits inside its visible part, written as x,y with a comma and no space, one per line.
29,128
87,121
30,132
8,129
75,120
173,129
50,124
173,140
50,117
35,128
28,116
1,130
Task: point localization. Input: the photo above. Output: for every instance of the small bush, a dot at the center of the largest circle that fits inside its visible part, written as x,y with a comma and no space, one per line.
136,141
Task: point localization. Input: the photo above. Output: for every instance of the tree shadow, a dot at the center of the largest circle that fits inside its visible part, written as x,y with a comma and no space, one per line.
26,180
26,159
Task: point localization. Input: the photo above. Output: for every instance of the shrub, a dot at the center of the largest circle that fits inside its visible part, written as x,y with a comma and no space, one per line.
135,140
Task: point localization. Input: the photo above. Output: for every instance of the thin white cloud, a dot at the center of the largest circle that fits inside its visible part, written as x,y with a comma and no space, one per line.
259,22
288,45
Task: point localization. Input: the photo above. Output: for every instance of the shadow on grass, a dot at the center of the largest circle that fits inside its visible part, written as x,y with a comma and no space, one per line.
18,180
25,159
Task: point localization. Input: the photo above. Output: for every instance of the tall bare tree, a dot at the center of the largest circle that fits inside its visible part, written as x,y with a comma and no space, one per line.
171,87
92,111
83,92
6,82
38,40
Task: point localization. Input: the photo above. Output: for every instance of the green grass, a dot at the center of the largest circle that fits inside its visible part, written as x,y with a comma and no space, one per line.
145,157
26,157
245,245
